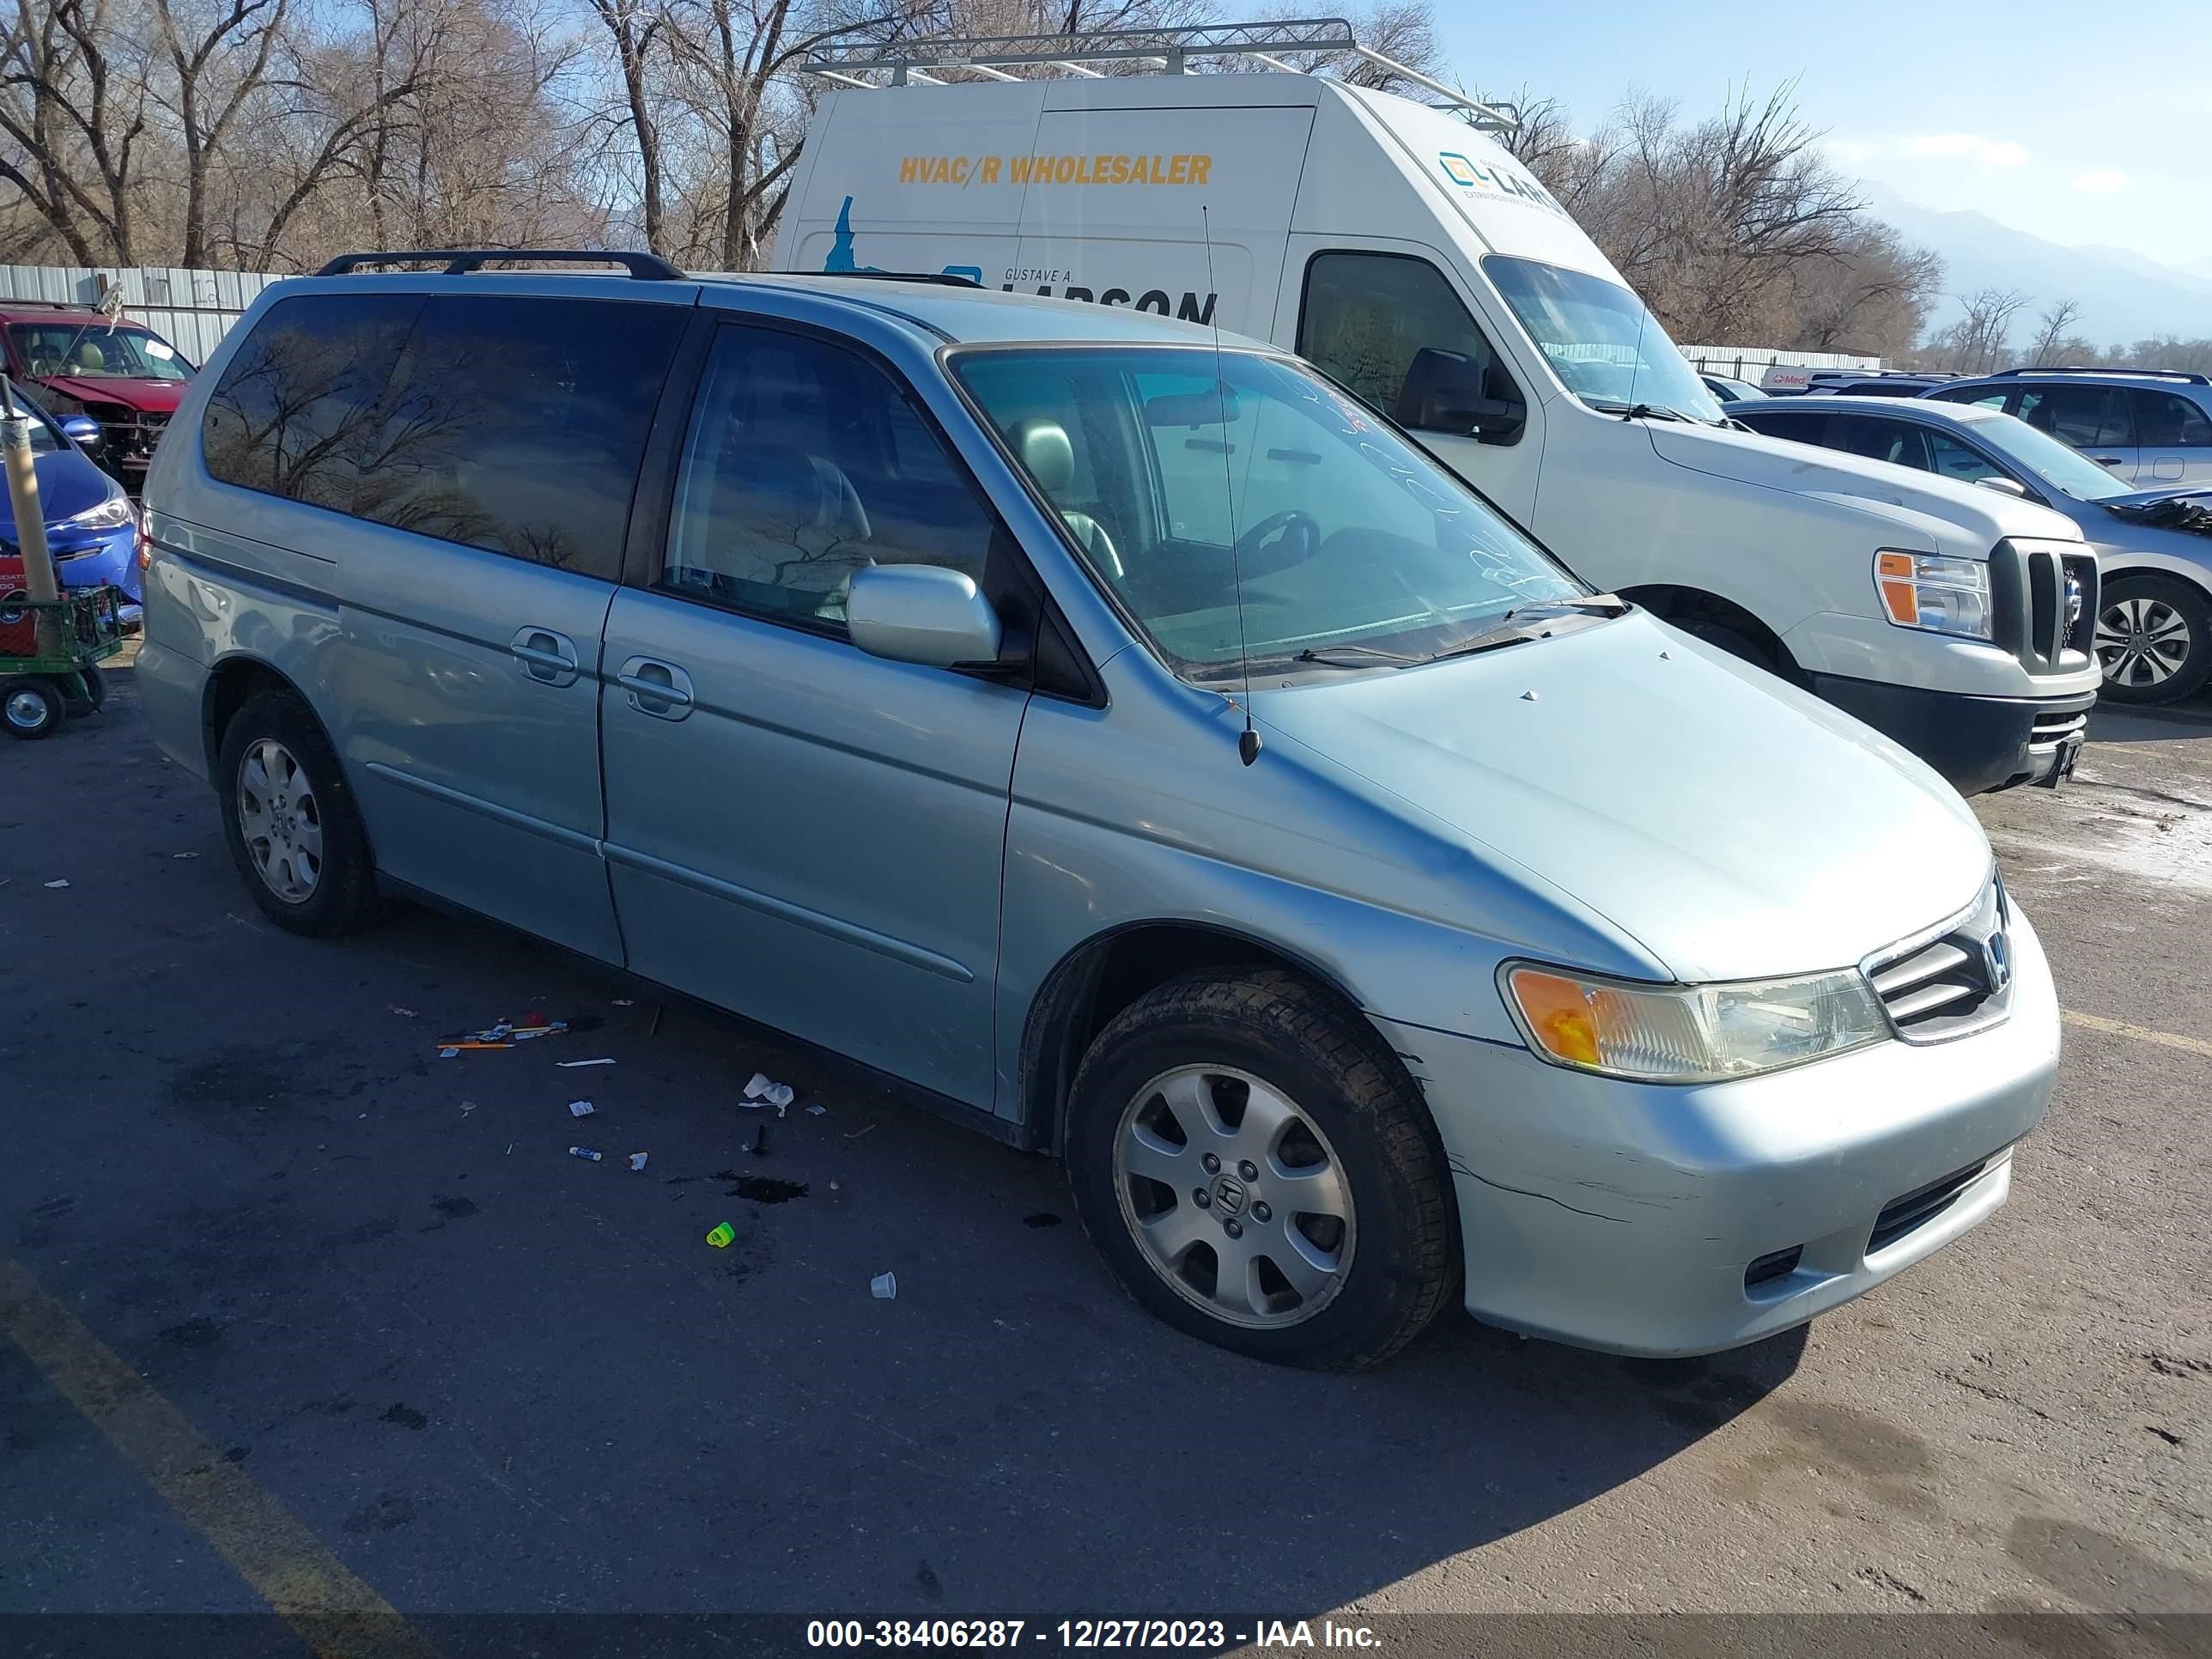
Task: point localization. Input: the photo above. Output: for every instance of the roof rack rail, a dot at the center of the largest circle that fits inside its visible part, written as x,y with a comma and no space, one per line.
459,261
940,278
50,304
2181,374
994,56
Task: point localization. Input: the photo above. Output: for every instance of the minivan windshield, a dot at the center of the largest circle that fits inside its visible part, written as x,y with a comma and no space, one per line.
96,351
1601,341
1179,470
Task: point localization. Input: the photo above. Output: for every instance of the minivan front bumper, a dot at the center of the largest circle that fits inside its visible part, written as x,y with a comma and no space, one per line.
1654,1220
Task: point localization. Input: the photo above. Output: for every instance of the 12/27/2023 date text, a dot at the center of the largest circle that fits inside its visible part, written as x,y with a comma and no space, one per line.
1194,1635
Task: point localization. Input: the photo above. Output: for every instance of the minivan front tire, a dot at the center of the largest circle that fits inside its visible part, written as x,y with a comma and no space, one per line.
1257,1170
290,822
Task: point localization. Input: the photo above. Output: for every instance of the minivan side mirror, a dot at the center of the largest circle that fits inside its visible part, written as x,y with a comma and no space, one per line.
82,431
1443,393
2003,485
922,613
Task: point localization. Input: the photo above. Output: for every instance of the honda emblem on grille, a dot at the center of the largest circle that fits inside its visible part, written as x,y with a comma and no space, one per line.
2074,600
1996,963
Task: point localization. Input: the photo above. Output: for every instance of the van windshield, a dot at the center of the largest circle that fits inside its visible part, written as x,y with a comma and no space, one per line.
1601,341
1176,471
96,351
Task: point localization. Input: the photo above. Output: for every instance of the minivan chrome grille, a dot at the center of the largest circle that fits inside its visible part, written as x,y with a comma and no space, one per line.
1953,983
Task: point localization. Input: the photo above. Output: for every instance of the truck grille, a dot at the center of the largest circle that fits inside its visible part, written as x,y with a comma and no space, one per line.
1958,981
1918,1207
2046,600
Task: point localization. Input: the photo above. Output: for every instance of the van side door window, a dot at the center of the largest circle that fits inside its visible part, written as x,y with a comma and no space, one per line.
1367,316
804,465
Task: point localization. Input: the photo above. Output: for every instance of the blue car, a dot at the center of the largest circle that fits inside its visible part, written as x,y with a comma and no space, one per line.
92,525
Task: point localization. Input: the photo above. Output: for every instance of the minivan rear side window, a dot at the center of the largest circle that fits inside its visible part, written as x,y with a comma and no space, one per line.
296,412
2083,416
2165,421
516,423
1366,315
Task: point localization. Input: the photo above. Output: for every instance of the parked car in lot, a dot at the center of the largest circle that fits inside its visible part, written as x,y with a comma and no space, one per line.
1130,742
2154,617
1731,391
92,526
2147,426
123,375
1404,251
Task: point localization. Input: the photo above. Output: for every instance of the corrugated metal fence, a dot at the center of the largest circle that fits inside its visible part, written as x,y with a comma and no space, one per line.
190,309
1748,362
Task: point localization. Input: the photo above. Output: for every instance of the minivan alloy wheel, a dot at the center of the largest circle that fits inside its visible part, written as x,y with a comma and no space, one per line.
280,821
1234,1196
2141,640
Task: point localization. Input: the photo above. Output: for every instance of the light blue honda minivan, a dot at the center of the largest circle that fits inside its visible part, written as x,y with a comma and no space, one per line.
1129,742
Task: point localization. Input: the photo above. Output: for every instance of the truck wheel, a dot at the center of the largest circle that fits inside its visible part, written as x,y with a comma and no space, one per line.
290,821
1252,1164
31,707
2153,638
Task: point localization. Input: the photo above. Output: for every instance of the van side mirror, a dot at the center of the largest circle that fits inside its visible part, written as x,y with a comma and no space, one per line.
1443,393
922,613
82,431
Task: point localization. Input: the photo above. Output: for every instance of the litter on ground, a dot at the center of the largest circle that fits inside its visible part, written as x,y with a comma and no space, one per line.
580,1109
58,883
637,1160
758,1144
505,1034
722,1235
573,1064
816,1110
625,1002
589,1154
404,1013
884,1287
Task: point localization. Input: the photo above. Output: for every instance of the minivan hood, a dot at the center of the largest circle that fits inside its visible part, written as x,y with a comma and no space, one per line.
1986,515
148,397
1730,825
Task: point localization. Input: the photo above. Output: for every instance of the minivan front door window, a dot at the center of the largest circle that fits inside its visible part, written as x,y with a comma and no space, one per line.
1349,541
1601,340
1368,316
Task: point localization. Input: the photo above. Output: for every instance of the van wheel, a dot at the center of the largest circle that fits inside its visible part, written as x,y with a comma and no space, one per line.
2153,638
1252,1165
31,707
1734,641
290,821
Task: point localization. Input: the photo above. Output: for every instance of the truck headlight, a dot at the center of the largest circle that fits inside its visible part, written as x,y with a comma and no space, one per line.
1691,1033
115,510
1942,595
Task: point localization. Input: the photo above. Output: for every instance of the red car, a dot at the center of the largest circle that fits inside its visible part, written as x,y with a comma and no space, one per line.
122,375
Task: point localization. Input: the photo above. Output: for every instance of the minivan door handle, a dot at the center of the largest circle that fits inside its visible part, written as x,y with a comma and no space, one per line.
659,688
548,657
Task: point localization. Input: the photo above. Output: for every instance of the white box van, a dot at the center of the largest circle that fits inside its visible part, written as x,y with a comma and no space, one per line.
1408,255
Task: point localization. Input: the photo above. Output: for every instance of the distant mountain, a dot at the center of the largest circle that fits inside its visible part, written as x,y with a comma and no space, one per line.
2200,268
2124,296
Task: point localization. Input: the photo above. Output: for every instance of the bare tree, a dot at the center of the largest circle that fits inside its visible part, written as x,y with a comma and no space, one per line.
73,113
2050,330
1981,337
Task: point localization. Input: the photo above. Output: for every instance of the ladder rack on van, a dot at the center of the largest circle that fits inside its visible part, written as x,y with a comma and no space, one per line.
995,57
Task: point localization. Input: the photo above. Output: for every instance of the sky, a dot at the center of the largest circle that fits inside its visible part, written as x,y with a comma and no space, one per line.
2080,124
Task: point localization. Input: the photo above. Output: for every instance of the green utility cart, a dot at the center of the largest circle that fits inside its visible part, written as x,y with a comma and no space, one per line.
50,652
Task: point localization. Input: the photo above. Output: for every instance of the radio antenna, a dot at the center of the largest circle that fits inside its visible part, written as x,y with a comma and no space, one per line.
1248,744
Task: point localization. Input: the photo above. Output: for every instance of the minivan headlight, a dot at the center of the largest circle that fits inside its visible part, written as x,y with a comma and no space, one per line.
1941,595
1691,1033
115,510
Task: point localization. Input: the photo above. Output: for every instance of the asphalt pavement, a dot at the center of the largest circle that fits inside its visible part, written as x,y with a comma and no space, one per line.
294,1298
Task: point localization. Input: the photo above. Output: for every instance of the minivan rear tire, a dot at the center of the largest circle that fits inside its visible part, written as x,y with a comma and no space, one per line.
277,733
1223,1044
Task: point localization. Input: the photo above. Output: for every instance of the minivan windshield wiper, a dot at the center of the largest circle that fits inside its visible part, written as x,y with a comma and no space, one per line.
1353,656
1524,622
